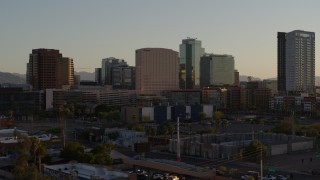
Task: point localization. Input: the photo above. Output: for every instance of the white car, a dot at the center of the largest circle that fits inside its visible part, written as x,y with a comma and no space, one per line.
280,177
157,176
269,177
246,177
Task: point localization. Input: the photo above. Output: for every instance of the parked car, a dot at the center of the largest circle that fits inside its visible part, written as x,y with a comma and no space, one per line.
158,176
246,177
280,177
269,177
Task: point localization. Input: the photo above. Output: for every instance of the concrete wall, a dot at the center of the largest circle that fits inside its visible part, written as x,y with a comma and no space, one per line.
147,112
214,146
130,114
298,146
208,110
278,149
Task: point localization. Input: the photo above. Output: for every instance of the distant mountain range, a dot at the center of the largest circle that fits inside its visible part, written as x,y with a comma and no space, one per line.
13,78
86,76
16,78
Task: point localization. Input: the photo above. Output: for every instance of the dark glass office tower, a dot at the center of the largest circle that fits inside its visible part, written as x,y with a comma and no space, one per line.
281,61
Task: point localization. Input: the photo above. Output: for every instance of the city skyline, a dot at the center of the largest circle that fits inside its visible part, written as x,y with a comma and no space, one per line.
89,32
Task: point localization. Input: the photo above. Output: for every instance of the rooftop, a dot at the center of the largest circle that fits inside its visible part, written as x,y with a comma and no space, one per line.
84,171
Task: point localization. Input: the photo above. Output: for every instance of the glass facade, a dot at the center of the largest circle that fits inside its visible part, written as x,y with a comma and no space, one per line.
216,70
190,53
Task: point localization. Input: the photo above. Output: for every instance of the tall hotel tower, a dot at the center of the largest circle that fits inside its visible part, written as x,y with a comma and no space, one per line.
296,62
47,69
157,70
190,53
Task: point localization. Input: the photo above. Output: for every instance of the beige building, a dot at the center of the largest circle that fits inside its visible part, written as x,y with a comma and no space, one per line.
67,71
157,69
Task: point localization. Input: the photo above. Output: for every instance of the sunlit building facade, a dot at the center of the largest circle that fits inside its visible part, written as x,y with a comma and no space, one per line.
216,69
157,70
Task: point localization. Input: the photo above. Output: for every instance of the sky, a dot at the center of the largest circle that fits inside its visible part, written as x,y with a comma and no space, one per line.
88,31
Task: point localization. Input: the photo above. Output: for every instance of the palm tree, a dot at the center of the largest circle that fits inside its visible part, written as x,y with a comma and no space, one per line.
217,118
38,150
225,124
64,112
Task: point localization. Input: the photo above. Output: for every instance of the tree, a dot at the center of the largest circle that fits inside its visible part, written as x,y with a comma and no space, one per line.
217,115
23,148
233,171
64,113
222,169
72,151
254,151
207,131
38,151
203,116
101,148
101,154
171,129
151,132
23,170
9,121
286,127
138,127
225,123
163,129
146,118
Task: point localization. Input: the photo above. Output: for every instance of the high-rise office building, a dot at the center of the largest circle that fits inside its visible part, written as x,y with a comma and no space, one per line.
216,69
281,61
123,77
67,71
190,53
296,62
157,70
47,69
97,75
236,78
106,69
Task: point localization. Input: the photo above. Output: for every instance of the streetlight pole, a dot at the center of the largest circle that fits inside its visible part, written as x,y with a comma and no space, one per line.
178,141
261,168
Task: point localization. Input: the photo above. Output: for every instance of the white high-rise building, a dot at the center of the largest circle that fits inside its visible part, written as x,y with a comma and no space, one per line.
190,53
300,61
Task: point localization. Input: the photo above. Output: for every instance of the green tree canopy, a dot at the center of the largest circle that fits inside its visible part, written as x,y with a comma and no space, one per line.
137,127
217,115
24,170
72,151
254,150
286,127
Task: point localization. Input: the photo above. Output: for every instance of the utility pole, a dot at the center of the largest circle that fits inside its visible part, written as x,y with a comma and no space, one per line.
178,141
293,130
261,168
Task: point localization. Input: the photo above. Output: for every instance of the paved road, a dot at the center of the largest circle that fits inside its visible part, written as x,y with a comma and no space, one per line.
243,167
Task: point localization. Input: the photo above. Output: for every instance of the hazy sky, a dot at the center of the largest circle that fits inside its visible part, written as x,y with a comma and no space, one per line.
88,31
